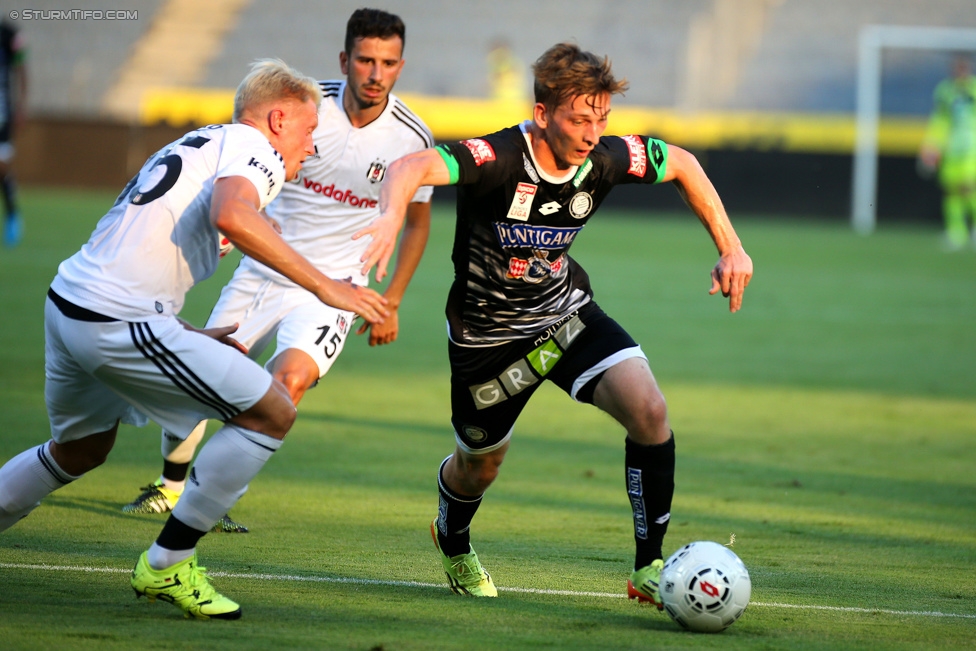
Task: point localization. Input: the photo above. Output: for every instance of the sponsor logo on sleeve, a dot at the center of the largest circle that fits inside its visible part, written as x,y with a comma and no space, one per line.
638,155
480,149
582,173
264,168
522,202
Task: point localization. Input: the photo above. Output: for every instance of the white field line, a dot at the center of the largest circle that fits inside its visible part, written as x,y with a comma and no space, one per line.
419,584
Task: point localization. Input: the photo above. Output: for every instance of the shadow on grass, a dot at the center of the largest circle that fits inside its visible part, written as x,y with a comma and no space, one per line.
103,508
376,424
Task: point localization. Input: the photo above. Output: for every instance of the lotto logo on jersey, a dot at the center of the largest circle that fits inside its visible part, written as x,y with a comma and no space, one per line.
638,156
480,149
522,202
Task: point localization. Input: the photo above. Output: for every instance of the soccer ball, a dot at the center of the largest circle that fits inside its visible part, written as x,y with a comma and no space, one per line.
705,587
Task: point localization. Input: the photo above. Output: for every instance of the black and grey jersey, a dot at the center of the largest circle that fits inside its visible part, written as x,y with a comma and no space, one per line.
513,276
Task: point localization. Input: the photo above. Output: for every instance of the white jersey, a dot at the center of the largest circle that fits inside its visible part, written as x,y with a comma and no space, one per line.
338,190
157,240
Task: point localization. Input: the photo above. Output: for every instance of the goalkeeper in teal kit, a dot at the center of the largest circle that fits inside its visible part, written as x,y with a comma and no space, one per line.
950,146
521,310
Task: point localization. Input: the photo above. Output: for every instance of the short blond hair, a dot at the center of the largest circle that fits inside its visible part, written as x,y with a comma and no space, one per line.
270,80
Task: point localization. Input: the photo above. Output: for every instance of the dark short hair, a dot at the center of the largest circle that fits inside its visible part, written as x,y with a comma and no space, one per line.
373,23
565,71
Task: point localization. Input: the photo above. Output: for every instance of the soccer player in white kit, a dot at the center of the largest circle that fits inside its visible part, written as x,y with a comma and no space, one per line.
362,129
116,351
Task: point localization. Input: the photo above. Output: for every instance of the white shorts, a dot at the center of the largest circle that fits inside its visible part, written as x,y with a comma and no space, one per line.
99,373
265,308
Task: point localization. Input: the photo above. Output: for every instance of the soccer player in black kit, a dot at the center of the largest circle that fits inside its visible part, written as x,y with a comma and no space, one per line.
520,310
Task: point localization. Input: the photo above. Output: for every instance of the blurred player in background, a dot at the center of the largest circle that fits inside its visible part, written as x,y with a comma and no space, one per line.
506,73
362,129
521,310
13,104
115,350
950,147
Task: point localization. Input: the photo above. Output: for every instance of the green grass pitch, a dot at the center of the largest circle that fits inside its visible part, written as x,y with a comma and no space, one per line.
830,425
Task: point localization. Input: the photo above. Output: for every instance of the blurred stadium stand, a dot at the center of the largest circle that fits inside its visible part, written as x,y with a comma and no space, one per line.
762,90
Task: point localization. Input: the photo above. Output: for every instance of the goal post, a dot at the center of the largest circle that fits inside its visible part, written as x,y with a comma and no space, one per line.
871,41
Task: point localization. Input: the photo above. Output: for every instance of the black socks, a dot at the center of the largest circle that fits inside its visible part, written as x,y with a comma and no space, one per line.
454,517
650,487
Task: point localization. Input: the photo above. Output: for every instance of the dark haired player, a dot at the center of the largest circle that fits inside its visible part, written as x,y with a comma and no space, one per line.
521,310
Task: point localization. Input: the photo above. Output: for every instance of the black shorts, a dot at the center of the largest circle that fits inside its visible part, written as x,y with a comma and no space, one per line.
491,385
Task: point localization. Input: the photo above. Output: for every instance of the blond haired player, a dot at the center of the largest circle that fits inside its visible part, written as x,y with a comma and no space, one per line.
115,350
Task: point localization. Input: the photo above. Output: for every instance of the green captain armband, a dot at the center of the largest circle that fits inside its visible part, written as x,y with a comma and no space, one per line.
452,165
657,154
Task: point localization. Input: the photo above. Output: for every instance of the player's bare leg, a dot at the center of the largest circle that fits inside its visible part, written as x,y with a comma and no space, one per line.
629,393
296,370
34,474
472,474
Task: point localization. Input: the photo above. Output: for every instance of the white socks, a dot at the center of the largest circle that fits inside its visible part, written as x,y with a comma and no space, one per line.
220,475
27,479
159,558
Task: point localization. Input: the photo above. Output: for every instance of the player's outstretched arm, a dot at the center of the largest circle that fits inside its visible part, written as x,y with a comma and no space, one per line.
733,271
234,212
403,178
412,244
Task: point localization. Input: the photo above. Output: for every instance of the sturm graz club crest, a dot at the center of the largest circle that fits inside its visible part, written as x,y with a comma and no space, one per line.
580,205
376,172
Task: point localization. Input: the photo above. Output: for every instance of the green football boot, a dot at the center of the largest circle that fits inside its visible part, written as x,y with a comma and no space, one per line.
226,525
643,584
464,572
185,585
155,498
